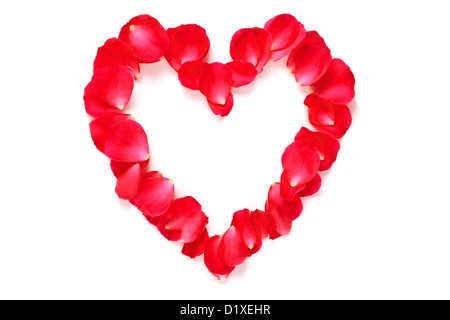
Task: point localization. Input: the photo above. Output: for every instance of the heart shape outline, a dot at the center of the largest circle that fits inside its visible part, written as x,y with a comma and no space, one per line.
124,141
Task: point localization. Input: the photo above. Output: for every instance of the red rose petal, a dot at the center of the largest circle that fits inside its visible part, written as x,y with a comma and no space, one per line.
243,73
127,143
312,38
153,220
119,168
94,105
187,43
189,74
215,82
232,249
156,195
184,220
289,189
171,235
342,122
103,126
275,200
114,85
310,63
116,52
337,85
308,136
331,148
146,37
327,146
302,160
196,248
194,227
129,184
212,261
222,110
129,178
280,221
243,224
251,45
321,112
260,223
311,187
286,32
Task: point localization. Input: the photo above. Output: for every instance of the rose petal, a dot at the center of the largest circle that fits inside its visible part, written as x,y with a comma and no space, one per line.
251,45
307,136
311,187
321,112
310,63
331,148
232,249
215,82
280,222
241,221
129,178
129,184
186,43
243,73
318,107
212,261
286,32
194,227
189,74
116,52
184,221
327,146
275,200
196,248
342,122
302,160
103,126
260,223
311,38
290,189
119,168
153,220
146,37
337,85
127,143
114,85
94,105
222,110
156,195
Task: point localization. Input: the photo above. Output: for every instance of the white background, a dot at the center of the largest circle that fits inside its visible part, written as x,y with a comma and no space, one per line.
378,228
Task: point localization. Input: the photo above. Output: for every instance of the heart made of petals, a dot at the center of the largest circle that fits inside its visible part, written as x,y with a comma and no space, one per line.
123,140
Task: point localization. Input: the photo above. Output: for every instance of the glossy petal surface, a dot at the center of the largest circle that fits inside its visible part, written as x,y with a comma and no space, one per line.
232,249
189,74
337,85
215,83
127,143
188,42
114,85
251,45
212,260
94,105
286,32
183,221
155,196
146,37
116,52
